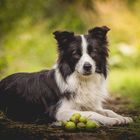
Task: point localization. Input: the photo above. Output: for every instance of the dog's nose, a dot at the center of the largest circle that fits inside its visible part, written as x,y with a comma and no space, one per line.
87,66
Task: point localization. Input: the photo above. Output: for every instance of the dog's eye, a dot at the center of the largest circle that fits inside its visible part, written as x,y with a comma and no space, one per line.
91,49
94,50
74,52
93,54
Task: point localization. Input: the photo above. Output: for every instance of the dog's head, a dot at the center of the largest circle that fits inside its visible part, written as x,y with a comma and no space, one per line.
85,54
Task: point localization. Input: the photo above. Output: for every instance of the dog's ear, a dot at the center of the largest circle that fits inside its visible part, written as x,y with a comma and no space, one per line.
99,32
63,37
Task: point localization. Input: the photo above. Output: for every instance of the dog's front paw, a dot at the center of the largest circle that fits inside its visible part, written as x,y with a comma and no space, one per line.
117,121
125,120
111,122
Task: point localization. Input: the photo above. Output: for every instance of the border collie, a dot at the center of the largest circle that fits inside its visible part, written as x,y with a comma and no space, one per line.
77,83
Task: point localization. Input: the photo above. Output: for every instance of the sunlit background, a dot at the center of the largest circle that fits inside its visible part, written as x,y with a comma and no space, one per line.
27,43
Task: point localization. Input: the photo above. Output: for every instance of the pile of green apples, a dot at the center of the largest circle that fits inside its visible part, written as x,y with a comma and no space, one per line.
79,122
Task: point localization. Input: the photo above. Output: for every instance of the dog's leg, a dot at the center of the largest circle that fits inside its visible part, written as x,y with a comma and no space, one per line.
112,114
62,115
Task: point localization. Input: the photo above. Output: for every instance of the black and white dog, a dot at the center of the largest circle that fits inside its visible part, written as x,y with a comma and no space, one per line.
77,83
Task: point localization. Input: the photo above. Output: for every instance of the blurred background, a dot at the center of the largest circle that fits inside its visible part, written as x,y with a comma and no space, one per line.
27,43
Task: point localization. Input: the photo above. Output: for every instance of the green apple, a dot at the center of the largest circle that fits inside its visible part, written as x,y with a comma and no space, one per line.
83,119
77,115
70,125
74,119
91,125
81,125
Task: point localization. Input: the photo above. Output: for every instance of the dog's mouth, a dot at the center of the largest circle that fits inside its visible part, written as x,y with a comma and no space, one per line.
87,73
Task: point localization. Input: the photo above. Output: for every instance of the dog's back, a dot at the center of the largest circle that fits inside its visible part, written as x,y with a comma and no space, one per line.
29,96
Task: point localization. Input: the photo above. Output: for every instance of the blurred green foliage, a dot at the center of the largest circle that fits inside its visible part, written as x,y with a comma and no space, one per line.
126,83
27,43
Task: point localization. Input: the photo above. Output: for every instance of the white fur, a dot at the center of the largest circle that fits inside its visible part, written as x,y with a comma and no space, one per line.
85,58
90,92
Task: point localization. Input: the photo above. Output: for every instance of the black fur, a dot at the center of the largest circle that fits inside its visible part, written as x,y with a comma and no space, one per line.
69,49
29,96
97,48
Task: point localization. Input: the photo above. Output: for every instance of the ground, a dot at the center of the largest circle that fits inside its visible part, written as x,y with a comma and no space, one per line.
23,131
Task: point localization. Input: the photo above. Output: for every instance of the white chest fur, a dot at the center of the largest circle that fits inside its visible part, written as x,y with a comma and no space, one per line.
89,92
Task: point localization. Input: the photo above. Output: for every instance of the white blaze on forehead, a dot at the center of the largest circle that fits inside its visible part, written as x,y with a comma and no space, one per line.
85,58
84,44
